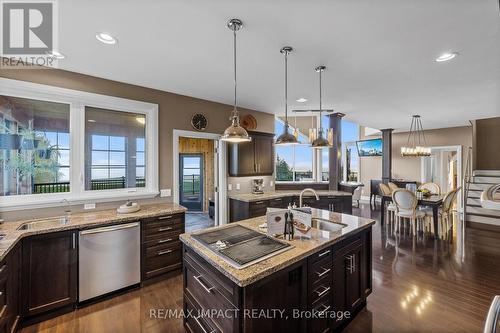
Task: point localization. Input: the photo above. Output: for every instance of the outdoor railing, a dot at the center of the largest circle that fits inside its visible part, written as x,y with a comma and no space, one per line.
96,184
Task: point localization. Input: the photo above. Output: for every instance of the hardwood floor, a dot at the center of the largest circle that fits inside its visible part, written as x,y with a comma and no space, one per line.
421,285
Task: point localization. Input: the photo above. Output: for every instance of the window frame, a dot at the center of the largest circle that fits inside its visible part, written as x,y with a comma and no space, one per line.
77,101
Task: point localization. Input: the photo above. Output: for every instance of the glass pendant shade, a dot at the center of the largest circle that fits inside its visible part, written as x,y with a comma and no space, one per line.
235,133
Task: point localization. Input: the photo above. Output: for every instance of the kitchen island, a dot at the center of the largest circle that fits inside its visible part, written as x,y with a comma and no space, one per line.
317,285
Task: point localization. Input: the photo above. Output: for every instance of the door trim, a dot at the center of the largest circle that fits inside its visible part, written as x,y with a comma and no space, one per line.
221,195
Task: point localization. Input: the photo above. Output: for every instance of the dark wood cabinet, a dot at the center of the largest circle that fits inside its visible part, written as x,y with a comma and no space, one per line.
49,272
336,278
160,245
9,291
254,158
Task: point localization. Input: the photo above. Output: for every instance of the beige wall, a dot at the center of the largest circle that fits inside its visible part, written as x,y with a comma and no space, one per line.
175,111
408,168
487,144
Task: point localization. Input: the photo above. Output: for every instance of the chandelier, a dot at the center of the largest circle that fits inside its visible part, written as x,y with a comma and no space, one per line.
416,146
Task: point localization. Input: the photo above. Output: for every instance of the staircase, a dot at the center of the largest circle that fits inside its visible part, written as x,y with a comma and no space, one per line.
481,180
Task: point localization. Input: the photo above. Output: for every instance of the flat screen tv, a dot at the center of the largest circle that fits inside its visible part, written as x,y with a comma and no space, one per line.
369,147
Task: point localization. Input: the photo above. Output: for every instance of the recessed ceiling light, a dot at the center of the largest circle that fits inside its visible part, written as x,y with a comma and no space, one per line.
105,38
446,56
55,54
91,121
302,100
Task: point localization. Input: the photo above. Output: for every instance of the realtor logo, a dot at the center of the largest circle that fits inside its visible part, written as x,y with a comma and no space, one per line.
28,32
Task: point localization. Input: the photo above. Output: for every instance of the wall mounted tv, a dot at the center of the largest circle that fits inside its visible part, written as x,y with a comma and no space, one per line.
369,147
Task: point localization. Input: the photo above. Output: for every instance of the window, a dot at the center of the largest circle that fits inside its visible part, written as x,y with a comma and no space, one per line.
299,162
34,146
60,144
295,162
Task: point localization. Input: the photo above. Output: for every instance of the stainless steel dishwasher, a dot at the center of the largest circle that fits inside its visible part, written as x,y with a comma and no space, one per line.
109,259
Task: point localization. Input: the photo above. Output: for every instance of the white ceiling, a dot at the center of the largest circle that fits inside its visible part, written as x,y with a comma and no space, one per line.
379,54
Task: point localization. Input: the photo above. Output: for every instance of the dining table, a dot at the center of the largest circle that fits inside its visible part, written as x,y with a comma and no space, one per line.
434,201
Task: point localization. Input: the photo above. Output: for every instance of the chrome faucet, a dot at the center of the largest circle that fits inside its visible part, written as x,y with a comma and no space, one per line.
307,190
65,219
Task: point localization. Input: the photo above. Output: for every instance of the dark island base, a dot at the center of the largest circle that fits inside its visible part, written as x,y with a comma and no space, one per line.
332,280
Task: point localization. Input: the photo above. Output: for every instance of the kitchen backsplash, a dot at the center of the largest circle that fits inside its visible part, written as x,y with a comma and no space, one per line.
245,184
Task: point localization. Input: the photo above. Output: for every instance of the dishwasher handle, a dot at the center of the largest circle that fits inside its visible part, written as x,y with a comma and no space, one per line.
108,229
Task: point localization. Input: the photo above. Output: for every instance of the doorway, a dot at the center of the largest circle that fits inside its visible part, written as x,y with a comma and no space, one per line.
191,189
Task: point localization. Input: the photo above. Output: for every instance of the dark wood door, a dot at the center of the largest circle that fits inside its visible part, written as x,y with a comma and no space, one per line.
264,155
49,272
13,267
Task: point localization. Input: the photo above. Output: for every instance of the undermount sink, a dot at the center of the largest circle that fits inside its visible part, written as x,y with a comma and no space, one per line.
326,225
45,223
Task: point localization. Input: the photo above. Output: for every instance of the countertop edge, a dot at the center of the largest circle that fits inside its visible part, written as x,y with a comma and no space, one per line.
278,194
69,226
199,249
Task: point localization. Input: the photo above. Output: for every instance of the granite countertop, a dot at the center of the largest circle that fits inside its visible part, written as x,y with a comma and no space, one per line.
82,221
302,248
249,197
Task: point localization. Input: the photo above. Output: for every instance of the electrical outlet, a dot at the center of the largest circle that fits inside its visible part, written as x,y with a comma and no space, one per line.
89,206
165,192
238,186
229,187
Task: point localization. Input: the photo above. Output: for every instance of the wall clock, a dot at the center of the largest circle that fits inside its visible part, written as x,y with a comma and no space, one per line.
199,122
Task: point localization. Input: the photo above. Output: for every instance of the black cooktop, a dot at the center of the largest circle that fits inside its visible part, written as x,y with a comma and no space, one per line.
239,245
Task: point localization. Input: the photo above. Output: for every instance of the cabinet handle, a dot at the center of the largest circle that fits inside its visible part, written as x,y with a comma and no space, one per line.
324,310
321,293
164,240
324,253
2,269
201,326
165,217
208,290
74,241
354,263
259,202
160,253
165,229
325,271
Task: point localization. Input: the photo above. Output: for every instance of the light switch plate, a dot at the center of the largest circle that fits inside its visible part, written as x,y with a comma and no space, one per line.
229,187
89,206
238,186
165,192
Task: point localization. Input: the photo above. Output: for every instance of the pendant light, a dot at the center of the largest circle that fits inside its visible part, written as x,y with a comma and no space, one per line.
286,138
235,133
320,141
416,144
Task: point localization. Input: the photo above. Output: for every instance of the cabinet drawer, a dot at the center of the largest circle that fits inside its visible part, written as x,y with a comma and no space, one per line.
195,322
163,261
261,204
321,255
153,224
223,286
322,323
208,293
162,249
320,292
161,238
320,270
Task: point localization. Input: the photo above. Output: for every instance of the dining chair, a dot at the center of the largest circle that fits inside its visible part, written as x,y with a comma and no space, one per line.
391,208
392,186
432,187
406,208
445,213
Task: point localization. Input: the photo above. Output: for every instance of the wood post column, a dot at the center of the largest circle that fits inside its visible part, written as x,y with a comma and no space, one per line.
387,155
335,152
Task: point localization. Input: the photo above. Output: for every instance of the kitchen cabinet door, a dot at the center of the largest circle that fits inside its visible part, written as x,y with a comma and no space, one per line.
241,159
264,158
49,272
